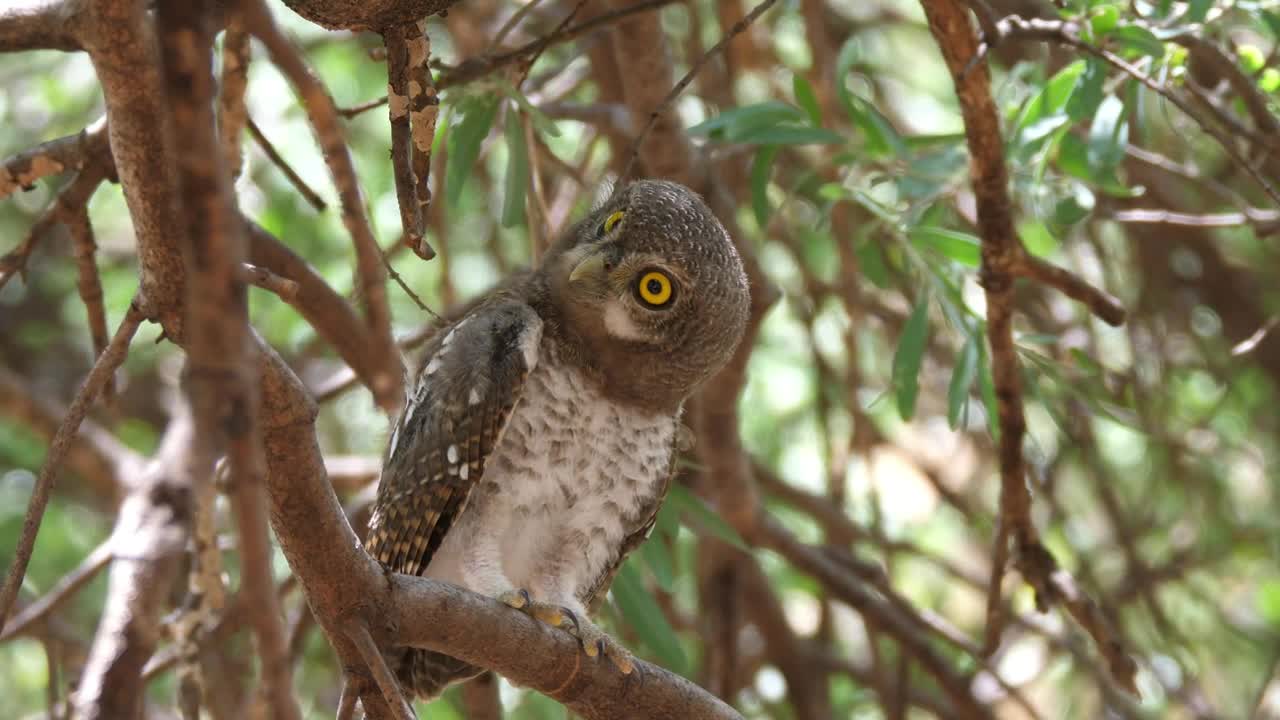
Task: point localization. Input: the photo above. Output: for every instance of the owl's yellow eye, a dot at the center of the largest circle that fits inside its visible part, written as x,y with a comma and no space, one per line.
655,288
613,219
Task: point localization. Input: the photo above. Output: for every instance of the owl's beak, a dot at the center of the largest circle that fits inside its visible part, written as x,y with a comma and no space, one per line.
590,269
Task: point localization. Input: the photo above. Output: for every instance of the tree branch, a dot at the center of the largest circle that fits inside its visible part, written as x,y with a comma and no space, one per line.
40,25
387,373
148,542
1002,258
22,170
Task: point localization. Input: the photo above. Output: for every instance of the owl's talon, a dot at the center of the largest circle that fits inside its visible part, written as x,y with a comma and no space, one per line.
518,599
595,643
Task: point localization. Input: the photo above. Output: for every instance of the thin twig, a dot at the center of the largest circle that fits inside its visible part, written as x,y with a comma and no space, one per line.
632,152
108,361
60,592
359,635
1106,307
261,277
511,23
89,285
72,199
311,196
347,701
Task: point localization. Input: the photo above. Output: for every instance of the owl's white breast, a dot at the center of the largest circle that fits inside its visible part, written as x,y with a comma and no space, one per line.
573,475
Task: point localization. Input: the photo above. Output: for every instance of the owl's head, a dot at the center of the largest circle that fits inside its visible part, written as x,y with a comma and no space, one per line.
653,290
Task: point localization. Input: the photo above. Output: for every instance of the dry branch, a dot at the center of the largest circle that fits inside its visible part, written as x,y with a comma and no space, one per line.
1002,258
284,288
22,170
60,592
148,542
387,371
66,208
40,25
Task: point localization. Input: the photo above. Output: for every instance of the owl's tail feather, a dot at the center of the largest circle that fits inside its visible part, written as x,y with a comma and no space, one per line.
425,673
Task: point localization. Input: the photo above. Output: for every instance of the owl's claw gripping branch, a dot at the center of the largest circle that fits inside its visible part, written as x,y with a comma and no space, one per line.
595,642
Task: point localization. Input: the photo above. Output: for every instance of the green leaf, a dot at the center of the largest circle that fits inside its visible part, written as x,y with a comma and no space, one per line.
785,135
1075,207
1089,90
658,557
517,173
1036,238
871,261
640,610
1272,20
881,137
961,380
806,99
761,169
746,117
987,388
1139,40
908,357
1268,599
1252,59
1103,19
1045,112
1198,10
464,141
1108,135
704,518
964,248
667,524
540,119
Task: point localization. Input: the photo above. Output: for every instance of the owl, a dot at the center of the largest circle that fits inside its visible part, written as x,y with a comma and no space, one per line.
538,436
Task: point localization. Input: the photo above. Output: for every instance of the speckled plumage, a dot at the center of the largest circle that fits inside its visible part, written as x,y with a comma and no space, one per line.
537,440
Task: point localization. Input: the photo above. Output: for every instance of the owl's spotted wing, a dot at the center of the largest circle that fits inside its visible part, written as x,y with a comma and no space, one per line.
472,377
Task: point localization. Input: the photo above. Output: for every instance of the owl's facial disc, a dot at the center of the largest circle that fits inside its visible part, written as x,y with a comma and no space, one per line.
631,292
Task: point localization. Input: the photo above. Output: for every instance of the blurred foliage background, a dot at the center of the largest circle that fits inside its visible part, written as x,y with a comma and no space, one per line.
1154,448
